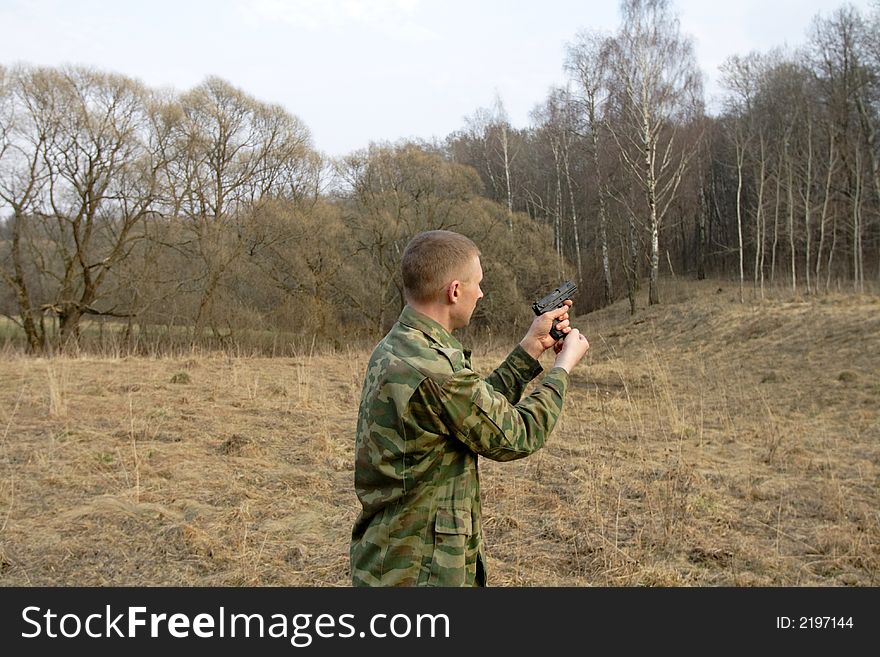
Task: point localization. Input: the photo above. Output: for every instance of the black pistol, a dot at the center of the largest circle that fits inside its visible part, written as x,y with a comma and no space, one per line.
554,300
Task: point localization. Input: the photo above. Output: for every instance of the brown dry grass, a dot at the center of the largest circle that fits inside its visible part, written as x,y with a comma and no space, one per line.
704,443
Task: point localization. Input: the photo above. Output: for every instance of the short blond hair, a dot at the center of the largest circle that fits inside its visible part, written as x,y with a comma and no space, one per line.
431,260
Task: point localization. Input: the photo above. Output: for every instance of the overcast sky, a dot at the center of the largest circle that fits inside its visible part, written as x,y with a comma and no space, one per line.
357,71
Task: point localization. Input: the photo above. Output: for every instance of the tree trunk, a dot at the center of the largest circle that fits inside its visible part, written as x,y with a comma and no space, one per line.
807,205
824,217
574,220
775,227
36,338
739,231
791,243
759,224
858,261
504,146
603,216
701,232
651,180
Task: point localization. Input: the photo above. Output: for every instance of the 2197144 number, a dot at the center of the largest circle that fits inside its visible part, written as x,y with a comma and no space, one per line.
814,622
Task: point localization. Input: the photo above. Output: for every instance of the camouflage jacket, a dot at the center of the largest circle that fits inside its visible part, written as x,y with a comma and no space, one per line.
424,417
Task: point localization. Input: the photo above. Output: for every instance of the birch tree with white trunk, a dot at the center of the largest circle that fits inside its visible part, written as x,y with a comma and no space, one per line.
659,92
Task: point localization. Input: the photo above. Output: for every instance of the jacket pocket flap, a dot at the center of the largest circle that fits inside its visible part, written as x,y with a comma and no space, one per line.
453,521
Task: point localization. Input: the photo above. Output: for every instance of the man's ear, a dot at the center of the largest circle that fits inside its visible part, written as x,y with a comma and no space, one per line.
453,291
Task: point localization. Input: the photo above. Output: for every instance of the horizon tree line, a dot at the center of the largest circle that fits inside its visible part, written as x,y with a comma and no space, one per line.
210,215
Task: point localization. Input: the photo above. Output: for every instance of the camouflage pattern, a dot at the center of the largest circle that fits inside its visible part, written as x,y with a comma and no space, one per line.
424,417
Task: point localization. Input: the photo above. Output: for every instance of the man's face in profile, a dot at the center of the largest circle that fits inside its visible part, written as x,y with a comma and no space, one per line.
469,293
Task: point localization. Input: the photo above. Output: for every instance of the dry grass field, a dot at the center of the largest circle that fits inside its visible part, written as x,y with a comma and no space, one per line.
703,443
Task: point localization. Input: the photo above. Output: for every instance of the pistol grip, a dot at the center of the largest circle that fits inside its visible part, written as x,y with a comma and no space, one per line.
554,332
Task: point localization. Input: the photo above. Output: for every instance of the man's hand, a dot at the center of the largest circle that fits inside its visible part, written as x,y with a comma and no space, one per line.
573,349
538,338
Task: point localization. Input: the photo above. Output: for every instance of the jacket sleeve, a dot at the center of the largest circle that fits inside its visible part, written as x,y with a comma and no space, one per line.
513,375
484,419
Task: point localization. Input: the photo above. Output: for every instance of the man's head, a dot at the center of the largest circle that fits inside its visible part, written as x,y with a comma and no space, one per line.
442,268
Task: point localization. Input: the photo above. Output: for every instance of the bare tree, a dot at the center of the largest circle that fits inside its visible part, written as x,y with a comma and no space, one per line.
844,58
659,91
490,131
21,182
744,77
559,123
503,135
231,152
588,61
393,192
81,178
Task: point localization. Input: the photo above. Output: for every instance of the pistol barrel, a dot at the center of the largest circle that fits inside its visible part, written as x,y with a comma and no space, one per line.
555,298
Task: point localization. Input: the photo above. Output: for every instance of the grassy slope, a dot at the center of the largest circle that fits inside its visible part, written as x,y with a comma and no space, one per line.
704,443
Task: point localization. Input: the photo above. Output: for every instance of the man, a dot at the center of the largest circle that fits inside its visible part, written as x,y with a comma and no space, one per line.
425,416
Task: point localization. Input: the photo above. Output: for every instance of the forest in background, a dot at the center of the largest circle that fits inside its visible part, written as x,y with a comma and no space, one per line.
207,217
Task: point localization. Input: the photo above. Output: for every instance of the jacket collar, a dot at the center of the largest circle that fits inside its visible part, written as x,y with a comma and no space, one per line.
414,319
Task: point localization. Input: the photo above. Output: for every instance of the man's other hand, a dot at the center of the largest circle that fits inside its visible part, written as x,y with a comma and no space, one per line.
538,338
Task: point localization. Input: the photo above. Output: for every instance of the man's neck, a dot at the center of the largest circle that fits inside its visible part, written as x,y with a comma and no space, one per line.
438,313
